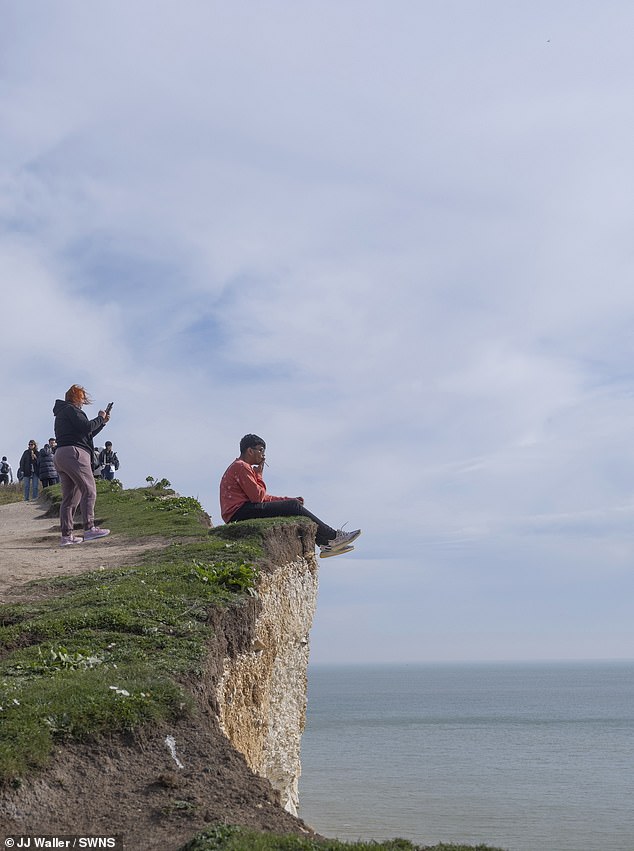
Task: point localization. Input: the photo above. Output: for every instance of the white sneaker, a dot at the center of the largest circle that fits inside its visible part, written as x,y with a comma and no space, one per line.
94,533
326,552
67,540
342,539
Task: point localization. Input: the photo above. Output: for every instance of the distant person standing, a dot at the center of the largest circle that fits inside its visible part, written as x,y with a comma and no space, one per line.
6,473
48,473
29,470
108,462
73,460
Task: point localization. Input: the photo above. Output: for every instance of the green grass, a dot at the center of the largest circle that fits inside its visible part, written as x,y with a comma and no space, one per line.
137,512
115,649
141,512
231,838
11,493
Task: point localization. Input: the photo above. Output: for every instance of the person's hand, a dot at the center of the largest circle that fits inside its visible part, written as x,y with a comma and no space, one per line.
104,415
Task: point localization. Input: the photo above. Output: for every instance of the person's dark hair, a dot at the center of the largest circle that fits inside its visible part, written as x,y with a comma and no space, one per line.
108,443
249,441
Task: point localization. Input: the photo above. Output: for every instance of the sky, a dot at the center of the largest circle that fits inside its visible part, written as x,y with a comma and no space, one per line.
393,238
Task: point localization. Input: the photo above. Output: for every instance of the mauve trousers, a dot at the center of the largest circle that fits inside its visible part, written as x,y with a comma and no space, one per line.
78,486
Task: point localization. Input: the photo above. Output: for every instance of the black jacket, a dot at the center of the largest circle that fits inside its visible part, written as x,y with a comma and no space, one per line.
47,464
108,458
73,428
30,466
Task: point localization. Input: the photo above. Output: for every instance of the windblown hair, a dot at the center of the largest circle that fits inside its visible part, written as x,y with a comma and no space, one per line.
77,395
249,441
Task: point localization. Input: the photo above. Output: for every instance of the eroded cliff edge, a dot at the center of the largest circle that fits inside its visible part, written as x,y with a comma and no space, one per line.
262,691
238,753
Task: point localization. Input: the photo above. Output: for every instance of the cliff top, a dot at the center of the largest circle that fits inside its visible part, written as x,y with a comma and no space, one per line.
112,654
109,654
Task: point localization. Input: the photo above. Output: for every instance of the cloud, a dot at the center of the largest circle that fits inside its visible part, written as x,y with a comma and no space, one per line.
395,241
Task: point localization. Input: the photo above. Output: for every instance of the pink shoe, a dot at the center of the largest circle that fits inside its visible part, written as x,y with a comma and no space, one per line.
67,540
94,533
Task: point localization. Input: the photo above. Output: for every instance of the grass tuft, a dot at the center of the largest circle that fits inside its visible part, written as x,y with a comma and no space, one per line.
233,838
11,493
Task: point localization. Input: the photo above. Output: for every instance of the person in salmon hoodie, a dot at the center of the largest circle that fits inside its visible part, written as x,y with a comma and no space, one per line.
243,496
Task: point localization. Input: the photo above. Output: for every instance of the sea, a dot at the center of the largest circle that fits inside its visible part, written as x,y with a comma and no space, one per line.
524,757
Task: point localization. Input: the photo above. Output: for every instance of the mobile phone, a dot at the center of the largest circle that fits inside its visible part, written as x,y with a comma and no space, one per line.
109,407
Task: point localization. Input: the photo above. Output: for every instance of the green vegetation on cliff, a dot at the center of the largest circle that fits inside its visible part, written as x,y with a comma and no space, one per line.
114,649
230,838
11,493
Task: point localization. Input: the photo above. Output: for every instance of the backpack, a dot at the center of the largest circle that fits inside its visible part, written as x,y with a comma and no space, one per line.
4,468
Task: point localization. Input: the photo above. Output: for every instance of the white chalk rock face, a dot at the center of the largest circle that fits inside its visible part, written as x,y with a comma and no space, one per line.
262,693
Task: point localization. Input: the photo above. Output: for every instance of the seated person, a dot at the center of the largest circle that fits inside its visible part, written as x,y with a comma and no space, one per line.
243,496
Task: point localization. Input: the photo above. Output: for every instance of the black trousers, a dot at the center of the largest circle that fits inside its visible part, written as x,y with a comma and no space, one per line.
284,508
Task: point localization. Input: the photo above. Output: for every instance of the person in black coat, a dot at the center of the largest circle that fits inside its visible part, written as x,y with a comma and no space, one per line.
108,461
48,473
29,470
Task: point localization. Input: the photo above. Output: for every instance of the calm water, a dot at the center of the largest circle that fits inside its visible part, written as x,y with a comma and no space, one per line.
530,757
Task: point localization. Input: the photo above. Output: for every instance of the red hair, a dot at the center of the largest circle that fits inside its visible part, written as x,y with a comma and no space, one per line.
77,395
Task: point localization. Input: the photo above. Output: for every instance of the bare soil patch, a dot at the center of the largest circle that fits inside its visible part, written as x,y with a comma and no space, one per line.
29,549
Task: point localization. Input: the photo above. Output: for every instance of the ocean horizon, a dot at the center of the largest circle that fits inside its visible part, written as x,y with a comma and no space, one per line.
526,756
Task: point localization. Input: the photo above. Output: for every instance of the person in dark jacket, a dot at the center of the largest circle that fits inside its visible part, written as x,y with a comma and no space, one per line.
48,473
108,461
29,470
73,460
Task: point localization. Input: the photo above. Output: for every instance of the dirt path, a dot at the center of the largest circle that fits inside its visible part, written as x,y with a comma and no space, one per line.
29,549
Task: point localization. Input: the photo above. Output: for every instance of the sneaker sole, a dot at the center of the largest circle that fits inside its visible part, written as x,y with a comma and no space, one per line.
338,552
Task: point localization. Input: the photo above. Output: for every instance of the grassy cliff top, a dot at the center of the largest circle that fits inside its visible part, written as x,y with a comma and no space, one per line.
121,650
115,649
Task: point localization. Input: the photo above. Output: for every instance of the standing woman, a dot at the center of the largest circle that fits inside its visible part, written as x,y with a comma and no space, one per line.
73,459
30,469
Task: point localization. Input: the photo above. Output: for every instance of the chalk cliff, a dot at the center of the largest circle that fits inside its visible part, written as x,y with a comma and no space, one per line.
261,694
234,756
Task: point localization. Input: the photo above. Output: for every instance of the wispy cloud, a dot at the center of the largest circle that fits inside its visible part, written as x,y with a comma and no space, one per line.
394,240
